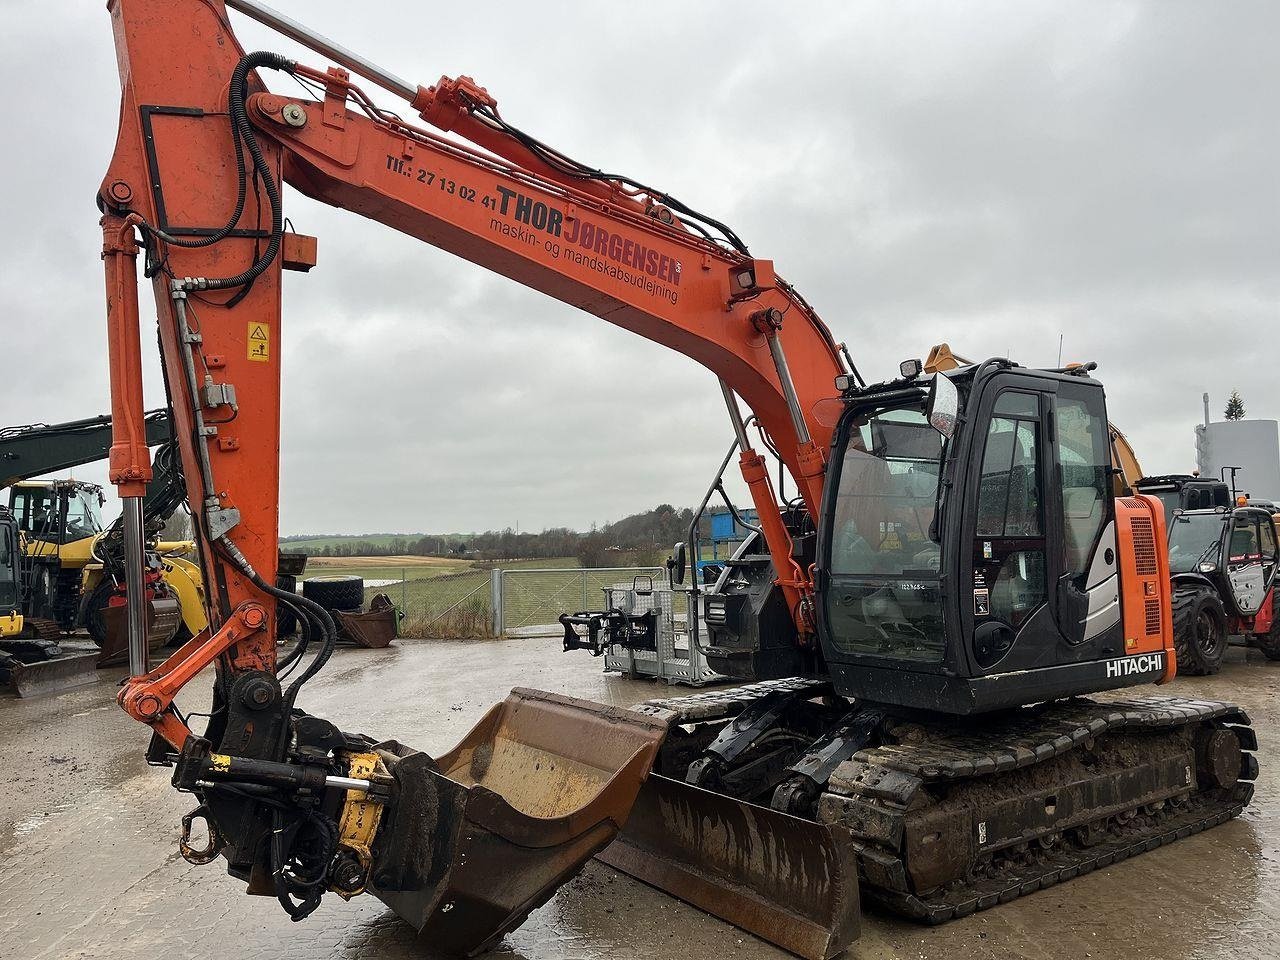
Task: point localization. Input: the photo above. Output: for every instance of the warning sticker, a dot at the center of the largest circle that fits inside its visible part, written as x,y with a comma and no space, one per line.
259,342
982,603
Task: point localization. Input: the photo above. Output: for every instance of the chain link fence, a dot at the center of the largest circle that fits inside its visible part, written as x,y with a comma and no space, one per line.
493,602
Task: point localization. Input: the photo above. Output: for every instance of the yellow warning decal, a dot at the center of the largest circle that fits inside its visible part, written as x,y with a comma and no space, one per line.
220,762
259,342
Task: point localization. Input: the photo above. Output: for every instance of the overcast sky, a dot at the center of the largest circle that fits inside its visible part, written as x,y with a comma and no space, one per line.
990,174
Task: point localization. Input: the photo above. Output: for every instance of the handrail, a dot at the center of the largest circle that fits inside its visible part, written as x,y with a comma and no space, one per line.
693,591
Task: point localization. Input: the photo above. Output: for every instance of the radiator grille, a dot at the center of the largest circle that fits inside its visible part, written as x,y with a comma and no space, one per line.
1153,617
1144,546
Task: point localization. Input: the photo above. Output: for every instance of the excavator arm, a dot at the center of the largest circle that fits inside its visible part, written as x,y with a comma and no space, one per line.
193,198
38,448
201,191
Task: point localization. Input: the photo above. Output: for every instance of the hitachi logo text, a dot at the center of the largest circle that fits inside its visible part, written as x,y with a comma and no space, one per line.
1127,666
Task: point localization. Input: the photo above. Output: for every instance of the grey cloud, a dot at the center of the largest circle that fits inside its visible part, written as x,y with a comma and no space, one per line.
990,174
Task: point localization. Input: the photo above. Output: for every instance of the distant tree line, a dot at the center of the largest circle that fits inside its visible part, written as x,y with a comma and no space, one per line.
640,538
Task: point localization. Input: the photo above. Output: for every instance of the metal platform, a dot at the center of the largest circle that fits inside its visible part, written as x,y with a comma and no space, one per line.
675,659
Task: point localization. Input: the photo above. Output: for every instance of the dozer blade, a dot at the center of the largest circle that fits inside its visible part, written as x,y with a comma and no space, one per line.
782,878
52,676
480,837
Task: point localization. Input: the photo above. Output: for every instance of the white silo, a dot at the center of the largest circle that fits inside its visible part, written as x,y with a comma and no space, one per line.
1252,445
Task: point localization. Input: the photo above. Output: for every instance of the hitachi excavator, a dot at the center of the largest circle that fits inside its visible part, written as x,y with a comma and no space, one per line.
915,639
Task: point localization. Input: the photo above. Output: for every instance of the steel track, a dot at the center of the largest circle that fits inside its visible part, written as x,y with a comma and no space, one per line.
869,795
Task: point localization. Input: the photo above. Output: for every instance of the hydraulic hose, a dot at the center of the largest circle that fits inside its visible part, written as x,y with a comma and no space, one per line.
243,130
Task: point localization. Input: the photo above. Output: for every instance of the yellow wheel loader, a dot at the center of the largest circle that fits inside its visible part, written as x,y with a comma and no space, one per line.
71,570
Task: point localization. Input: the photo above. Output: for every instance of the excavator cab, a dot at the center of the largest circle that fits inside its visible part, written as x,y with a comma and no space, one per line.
1186,492
973,557
59,511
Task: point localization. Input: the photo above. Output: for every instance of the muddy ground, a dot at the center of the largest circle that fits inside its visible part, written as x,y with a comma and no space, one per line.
89,867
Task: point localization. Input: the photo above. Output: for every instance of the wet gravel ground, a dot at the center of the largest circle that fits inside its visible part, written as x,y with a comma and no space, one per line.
89,866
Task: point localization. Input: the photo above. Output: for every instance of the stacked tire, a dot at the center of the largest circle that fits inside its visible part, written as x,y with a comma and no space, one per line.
336,593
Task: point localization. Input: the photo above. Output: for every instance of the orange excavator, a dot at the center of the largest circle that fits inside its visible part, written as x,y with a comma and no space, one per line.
914,630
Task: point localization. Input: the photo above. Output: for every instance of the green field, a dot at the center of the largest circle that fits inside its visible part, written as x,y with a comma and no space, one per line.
439,597
444,597
311,544
387,568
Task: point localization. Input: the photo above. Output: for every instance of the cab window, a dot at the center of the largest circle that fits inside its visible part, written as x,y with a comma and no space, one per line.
1244,541
1084,463
1009,558
1267,537
34,510
885,597
1009,491
888,491
8,571
1267,544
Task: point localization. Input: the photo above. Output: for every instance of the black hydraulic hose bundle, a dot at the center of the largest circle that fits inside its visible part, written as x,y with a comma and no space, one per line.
573,168
301,851
243,139
242,130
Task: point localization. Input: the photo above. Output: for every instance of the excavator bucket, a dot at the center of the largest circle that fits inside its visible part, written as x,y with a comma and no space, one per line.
478,838
164,616
777,876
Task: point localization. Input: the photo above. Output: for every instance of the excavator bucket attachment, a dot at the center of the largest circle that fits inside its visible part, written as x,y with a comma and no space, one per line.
59,673
478,838
779,877
164,616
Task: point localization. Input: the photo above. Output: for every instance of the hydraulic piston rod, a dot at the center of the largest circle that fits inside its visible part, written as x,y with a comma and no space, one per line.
135,588
735,416
324,46
788,387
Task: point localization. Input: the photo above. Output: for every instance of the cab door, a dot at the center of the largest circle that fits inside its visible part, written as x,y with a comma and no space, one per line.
1006,586
1086,579
1041,587
1251,559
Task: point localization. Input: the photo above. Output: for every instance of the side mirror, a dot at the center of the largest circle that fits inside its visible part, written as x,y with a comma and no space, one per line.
676,564
943,408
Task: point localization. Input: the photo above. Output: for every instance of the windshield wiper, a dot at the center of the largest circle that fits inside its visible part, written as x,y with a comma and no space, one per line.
935,524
